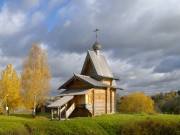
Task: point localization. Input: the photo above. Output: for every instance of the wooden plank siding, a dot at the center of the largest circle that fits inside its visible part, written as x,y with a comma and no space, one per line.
108,100
93,102
113,101
89,100
106,81
99,101
89,97
80,99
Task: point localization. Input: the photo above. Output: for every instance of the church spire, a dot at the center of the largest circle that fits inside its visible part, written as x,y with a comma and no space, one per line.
96,45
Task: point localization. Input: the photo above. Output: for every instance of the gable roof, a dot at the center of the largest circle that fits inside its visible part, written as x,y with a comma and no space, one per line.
86,79
89,81
99,63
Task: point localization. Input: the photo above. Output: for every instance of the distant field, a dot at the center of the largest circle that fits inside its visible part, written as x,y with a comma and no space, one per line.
105,124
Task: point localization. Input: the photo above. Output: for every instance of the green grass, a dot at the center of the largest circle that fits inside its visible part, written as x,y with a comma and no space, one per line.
105,124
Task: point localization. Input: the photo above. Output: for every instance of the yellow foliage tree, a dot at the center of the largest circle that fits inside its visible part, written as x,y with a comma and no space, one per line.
10,89
137,103
35,78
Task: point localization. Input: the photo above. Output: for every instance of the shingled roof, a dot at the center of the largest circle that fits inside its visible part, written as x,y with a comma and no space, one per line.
60,102
99,64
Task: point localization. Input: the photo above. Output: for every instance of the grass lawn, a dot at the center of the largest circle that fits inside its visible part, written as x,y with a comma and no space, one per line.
105,124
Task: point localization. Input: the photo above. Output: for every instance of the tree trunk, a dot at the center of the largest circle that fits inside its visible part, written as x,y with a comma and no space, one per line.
34,108
7,108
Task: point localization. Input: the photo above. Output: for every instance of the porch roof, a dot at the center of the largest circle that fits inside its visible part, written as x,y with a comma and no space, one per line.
60,102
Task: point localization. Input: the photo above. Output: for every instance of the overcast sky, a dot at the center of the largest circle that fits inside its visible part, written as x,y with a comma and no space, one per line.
140,38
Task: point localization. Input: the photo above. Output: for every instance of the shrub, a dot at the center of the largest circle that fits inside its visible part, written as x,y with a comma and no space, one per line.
150,127
137,103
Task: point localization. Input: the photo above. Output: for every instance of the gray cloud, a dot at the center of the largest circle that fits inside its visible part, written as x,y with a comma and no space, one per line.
168,65
66,64
140,38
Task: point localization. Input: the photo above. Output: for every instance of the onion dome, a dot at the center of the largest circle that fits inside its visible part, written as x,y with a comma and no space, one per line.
96,46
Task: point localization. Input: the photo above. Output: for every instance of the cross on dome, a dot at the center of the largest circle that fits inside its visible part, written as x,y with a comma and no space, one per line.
96,45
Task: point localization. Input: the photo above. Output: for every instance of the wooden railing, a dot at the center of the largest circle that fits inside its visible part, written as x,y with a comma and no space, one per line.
70,110
62,109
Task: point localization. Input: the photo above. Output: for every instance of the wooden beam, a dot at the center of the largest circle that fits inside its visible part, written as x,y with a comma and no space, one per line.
58,110
110,101
93,102
52,114
60,113
65,111
114,100
106,101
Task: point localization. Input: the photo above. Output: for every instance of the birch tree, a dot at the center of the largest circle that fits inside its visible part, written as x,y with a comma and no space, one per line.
35,78
10,89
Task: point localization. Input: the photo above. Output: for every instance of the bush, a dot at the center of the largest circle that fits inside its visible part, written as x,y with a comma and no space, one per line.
150,127
137,103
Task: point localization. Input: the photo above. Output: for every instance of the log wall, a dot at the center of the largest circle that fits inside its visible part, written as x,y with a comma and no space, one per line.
104,101
108,100
99,101
106,81
89,97
80,99
113,101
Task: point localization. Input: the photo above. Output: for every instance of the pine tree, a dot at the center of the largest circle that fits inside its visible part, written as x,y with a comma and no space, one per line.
35,78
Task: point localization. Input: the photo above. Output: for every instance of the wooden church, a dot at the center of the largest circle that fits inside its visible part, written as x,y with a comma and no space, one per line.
90,93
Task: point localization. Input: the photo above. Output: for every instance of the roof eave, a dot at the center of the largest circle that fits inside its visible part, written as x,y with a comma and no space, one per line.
63,86
114,78
115,87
